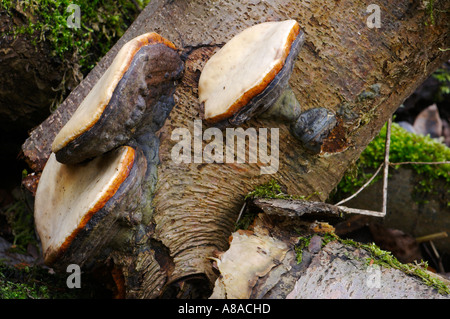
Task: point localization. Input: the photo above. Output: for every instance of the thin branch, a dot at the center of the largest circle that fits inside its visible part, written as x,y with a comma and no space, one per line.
432,237
386,164
385,181
366,212
420,163
241,211
362,187
308,210
436,254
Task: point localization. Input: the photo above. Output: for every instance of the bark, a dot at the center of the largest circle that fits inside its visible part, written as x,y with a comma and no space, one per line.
308,209
264,263
360,74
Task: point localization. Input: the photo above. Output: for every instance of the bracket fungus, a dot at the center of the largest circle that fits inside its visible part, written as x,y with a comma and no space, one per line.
71,200
249,77
141,75
101,164
249,73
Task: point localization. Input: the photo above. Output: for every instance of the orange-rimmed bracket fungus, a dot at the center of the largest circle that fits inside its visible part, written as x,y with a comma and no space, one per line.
102,160
71,200
249,77
119,105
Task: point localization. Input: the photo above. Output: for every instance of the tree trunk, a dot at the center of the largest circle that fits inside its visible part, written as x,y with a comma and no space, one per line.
360,74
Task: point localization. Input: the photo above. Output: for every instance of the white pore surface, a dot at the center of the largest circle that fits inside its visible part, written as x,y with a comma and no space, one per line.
242,64
66,193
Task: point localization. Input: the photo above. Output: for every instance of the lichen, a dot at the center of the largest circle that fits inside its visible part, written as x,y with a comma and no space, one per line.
371,93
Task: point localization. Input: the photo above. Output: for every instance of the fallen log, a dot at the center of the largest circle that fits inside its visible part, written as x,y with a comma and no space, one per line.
287,258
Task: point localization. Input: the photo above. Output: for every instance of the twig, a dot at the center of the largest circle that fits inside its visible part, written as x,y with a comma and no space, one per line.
242,210
439,260
366,212
306,209
420,163
386,164
385,181
431,237
362,187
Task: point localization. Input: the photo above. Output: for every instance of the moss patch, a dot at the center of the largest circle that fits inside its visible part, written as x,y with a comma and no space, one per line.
303,242
102,23
385,259
405,147
35,282
21,221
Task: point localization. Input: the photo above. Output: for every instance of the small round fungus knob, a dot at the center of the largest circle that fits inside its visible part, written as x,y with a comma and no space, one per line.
313,126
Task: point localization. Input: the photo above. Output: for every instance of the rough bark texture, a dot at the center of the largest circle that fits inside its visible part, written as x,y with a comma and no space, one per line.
361,74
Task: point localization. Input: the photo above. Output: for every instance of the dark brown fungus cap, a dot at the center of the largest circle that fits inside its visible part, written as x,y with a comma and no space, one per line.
143,73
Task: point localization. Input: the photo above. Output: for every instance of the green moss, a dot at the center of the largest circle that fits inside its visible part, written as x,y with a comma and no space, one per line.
272,189
30,283
35,282
405,147
429,8
102,23
443,76
10,290
302,243
20,218
385,259
246,220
